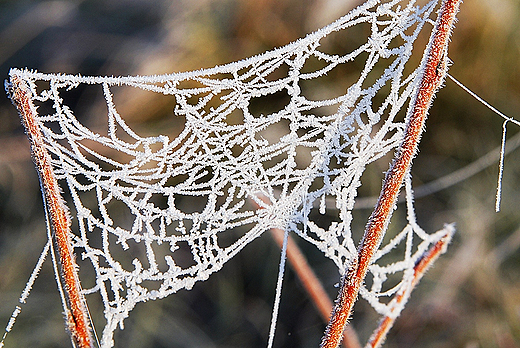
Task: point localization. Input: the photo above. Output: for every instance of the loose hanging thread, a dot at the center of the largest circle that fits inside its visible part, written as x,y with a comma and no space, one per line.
501,167
503,142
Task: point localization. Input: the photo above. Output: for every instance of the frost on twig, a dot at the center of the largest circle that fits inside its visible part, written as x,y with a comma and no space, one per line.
433,70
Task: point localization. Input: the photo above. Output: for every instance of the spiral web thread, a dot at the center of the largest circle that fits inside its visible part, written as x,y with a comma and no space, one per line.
154,215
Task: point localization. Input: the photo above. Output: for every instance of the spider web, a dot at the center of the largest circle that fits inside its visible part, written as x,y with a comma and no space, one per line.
156,214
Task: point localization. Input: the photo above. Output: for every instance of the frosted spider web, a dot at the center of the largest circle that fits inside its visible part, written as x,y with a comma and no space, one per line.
156,214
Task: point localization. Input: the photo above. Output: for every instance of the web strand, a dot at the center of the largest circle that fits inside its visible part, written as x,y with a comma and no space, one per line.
26,291
483,102
278,296
501,167
503,142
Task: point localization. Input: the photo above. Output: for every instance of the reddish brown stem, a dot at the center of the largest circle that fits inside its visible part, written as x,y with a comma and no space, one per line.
76,314
434,69
420,269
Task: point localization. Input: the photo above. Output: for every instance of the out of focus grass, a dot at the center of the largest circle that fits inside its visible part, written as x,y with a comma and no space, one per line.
471,297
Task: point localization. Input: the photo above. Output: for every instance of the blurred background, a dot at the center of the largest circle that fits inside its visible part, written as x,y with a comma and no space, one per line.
471,298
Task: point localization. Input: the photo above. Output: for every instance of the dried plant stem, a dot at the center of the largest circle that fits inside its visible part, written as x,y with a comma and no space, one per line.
434,68
76,314
420,268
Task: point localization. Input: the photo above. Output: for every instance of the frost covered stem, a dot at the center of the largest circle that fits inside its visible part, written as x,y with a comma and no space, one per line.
419,270
434,66
76,313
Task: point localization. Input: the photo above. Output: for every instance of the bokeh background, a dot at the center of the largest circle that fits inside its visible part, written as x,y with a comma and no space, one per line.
471,298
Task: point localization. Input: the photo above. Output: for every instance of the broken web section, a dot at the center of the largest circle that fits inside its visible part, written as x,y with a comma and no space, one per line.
153,214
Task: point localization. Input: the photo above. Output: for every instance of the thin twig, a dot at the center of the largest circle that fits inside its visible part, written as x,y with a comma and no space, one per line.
433,72
419,269
76,314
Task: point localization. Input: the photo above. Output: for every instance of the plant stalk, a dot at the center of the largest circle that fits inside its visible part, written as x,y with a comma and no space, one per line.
434,68
76,315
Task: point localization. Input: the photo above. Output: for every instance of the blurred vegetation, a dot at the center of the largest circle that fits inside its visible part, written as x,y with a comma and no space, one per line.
469,299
